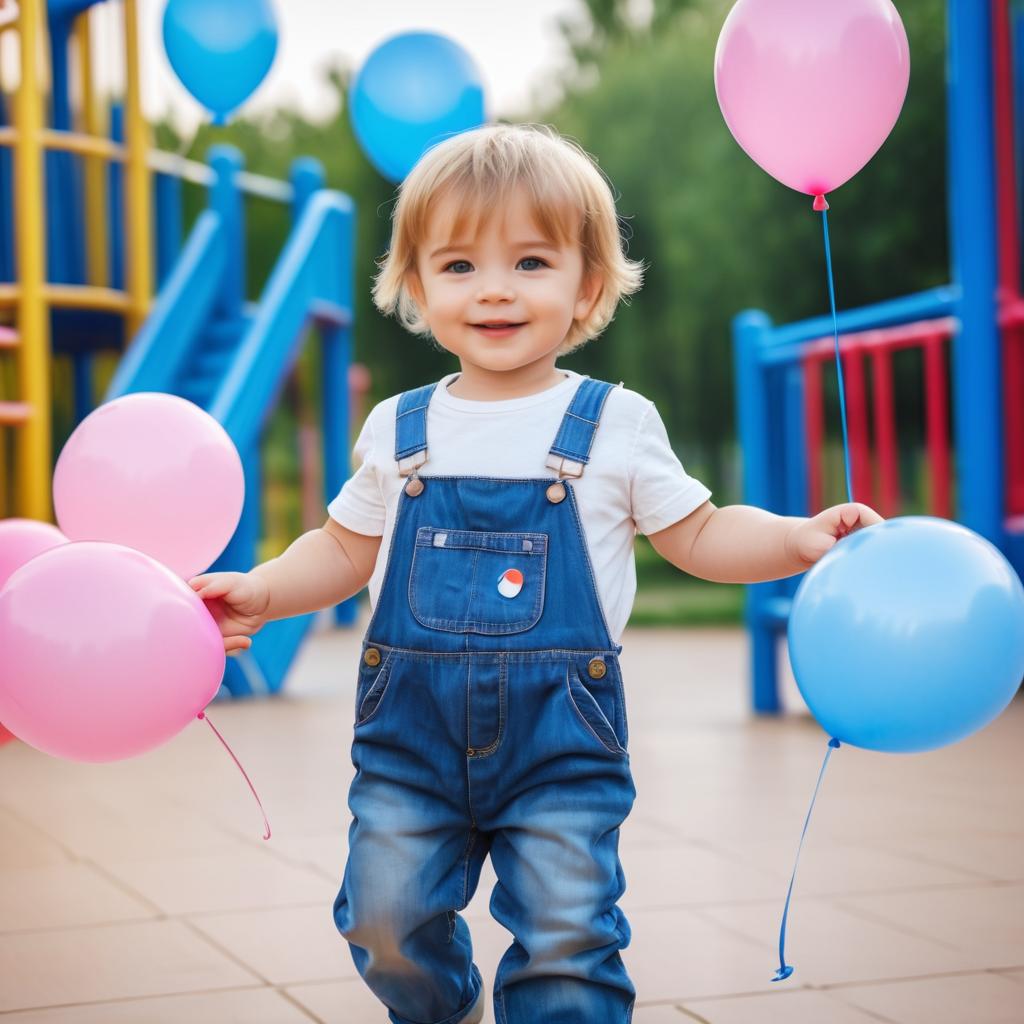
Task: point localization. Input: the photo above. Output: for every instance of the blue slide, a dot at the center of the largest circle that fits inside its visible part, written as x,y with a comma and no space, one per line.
204,343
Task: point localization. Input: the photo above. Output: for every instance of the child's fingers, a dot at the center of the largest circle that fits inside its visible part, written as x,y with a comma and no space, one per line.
844,519
869,517
199,582
213,587
233,644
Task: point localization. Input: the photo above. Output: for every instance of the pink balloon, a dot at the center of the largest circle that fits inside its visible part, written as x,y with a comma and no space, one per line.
22,539
811,88
153,472
104,652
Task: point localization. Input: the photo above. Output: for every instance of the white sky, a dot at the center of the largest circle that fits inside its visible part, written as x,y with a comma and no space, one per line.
517,46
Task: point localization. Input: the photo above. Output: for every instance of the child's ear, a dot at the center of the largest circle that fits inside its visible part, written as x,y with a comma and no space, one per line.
590,291
414,286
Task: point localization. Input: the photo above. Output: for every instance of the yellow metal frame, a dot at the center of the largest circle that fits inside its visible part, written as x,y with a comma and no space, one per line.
32,296
72,296
97,253
32,439
138,190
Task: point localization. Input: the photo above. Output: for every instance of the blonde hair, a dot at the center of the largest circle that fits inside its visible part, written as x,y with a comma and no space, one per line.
572,202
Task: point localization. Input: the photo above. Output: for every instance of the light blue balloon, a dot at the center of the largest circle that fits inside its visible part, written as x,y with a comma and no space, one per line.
220,49
908,635
414,90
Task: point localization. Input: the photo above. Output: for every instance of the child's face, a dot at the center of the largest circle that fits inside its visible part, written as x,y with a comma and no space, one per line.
507,273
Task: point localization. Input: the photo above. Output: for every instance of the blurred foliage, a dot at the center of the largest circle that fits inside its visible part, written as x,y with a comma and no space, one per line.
599,24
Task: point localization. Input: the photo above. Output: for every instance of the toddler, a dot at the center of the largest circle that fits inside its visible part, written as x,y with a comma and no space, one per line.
504,499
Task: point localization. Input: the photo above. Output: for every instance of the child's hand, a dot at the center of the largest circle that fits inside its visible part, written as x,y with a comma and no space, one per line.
809,539
237,601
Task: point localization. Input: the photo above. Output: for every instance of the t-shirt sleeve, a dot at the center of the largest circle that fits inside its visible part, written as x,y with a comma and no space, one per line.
359,505
661,491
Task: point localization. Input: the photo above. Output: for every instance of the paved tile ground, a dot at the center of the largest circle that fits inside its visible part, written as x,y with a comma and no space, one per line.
142,892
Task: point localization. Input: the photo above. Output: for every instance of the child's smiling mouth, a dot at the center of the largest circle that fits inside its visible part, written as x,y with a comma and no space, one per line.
497,328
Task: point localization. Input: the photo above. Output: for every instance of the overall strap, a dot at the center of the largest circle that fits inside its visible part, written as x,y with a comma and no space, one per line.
411,428
571,450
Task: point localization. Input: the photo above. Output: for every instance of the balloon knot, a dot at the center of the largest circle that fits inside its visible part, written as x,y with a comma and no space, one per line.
834,743
820,204
783,973
201,715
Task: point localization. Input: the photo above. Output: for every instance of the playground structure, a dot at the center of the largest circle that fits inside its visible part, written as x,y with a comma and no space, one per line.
92,262
970,335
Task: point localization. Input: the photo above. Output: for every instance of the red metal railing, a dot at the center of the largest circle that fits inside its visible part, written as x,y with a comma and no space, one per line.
876,347
1011,319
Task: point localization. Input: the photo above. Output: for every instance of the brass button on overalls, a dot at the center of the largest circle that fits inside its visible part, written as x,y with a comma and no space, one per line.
596,668
372,656
556,493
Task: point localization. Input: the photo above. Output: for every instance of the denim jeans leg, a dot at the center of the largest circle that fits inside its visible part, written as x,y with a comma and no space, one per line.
559,877
412,863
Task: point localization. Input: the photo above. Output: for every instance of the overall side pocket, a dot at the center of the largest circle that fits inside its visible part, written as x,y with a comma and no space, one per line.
600,705
373,682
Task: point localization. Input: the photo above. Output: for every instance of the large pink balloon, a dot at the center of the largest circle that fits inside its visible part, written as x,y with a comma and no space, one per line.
104,652
22,539
154,472
812,88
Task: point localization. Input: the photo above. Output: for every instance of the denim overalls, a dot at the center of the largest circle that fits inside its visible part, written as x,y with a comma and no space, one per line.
490,718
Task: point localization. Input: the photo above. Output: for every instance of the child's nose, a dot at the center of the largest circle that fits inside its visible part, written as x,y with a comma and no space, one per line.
495,287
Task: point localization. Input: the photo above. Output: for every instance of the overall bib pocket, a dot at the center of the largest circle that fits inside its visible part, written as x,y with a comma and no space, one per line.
599,703
477,581
370,686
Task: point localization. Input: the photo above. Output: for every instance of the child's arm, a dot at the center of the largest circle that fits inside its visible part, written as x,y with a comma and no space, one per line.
321,568
744,544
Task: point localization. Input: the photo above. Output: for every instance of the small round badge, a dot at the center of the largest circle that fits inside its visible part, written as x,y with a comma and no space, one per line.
510,583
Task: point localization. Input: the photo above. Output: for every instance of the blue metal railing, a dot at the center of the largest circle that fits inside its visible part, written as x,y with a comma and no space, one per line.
768,380
770,405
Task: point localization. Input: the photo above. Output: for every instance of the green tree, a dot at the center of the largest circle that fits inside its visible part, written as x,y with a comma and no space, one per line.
601,23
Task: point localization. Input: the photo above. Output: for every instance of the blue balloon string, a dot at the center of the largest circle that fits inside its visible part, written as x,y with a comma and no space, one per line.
785,970
839,362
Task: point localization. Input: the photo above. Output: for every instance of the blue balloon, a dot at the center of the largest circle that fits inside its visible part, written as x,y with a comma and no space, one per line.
908,635
414,90
220,49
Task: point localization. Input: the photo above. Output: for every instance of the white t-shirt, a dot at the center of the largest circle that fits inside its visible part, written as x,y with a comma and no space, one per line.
633,483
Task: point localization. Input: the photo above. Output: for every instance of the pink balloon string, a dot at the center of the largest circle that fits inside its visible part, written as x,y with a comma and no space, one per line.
202,714
835,333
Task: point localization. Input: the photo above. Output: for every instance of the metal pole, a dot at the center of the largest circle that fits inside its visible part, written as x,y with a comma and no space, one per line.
978,415
139,262
749,329
32,438
97,256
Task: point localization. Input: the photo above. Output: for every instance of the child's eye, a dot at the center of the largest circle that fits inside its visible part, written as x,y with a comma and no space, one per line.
459,263
532,259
